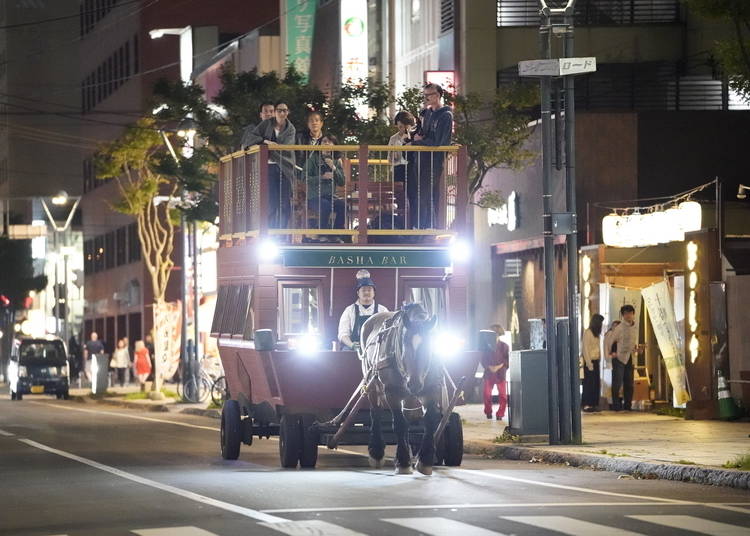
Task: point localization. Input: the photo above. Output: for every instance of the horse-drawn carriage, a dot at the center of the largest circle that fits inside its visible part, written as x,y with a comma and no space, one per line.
282,290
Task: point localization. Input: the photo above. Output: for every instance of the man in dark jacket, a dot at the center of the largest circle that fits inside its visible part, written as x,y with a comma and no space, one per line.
278,131
265,111
424,193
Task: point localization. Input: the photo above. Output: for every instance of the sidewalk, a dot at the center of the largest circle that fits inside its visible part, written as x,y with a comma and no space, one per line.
636,443
640,444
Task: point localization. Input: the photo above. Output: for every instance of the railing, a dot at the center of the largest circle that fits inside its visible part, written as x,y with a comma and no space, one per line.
593,12
343,193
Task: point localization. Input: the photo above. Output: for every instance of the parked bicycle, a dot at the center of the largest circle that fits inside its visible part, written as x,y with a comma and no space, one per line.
197,388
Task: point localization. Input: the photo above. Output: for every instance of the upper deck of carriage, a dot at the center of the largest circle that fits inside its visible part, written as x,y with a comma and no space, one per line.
343,196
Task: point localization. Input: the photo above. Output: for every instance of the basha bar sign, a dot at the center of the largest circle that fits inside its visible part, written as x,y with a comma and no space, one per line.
367,258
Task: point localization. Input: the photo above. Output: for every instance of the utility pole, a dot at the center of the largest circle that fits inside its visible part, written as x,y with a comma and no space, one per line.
564,398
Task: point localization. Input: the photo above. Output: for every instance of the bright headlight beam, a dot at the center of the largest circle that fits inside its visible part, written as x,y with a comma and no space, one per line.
460,251
268,251
447,344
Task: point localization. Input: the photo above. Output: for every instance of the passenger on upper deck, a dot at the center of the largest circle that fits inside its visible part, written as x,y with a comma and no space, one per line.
312,135
424,193
278,131
322,172
355,315
265,111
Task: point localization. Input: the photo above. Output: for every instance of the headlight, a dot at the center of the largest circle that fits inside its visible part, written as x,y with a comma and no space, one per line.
22,372
447,344
307,344
460,251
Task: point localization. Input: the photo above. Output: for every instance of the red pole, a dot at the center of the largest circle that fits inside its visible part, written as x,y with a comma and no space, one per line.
263,189
462,189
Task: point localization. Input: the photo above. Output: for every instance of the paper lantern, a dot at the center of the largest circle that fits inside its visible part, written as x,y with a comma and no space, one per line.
690,212
611,224
674,228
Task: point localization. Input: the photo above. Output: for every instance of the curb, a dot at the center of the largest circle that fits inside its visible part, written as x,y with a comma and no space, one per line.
647,470
123,404
213,413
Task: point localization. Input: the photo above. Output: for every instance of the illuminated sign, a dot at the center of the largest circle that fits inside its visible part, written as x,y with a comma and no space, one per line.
445,79
367,258
506,214
354,55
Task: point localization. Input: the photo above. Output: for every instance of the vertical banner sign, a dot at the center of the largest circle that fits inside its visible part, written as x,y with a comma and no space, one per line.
661,312
300,29
354,56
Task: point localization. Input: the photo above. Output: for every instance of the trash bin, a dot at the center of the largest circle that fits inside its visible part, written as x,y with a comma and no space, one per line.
528,387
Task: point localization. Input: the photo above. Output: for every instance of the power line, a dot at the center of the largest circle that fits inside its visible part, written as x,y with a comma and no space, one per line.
56,19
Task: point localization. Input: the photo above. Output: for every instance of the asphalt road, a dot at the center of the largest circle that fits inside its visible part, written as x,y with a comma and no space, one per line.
84,469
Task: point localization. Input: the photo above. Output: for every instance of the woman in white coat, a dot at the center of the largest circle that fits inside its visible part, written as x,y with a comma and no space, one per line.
591,350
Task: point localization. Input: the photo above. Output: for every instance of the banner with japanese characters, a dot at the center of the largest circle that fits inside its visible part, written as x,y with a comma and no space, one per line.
661,312
299,16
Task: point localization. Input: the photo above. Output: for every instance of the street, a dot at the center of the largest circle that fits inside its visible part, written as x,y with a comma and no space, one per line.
84,469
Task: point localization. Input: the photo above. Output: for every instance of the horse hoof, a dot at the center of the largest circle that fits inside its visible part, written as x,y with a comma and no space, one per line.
375,463
424,469
404,470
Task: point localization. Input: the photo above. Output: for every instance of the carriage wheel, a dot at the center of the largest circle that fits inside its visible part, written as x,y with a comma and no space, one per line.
231,434
290,441
308,456
453,441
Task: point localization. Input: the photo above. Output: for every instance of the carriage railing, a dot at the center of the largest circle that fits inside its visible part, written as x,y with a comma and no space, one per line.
343,193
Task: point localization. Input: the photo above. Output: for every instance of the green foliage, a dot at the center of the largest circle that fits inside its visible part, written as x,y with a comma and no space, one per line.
733,53
17,272
490,198
740,462
494,129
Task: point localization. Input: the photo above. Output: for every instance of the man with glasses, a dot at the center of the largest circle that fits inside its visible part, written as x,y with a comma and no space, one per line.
424,193
275,131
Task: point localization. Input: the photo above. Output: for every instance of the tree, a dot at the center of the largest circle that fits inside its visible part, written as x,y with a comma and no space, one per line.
17,279
732,53
136,161
494,131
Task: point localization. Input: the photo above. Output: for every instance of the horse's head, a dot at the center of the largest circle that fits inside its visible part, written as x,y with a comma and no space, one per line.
417,349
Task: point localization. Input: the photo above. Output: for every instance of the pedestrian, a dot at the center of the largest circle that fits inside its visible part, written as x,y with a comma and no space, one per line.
121,361
323,171
75,358
273,132
91,350
149,343
142,364
265,111
625,336
424,193
591,352
356,314
495,362
610,346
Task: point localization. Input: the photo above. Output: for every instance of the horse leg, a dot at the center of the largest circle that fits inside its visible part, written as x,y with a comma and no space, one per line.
427,450
376,446
401,429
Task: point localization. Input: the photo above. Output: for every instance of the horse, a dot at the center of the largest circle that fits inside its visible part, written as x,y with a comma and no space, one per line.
398,351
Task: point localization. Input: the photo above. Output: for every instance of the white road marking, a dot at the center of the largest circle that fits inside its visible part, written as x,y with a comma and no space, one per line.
695,524
440,526
174,531
456,506
127,416
568,525
569,488
241,510
313,527
6,434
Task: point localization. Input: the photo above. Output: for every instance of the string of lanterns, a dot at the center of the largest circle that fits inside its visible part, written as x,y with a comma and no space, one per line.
655,224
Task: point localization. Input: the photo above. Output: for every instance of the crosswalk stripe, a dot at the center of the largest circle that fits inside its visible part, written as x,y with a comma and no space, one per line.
695,524
174,531
311,527
440,526
568,525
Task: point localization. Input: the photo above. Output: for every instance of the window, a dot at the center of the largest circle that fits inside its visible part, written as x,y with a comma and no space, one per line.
593,12
300,310
233,315
431,295
99,253
109,250
88,257
134,243
121,246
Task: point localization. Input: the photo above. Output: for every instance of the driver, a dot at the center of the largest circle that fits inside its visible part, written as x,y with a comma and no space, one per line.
355,315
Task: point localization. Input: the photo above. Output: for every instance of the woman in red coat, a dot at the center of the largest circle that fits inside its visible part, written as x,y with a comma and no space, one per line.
142,363
495,365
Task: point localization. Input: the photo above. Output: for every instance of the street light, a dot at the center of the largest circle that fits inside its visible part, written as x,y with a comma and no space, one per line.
61,198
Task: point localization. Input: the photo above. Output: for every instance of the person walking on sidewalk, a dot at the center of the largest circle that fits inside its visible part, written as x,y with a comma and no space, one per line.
142,363
121,361
625,336
91,349
591,359
495,365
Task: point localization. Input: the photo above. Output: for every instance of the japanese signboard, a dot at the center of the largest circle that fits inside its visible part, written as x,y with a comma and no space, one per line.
660,311
300,29
354,55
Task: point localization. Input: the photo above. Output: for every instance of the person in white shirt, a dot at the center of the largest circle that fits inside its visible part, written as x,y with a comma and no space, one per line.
591,352
355,315
121,361
625,336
